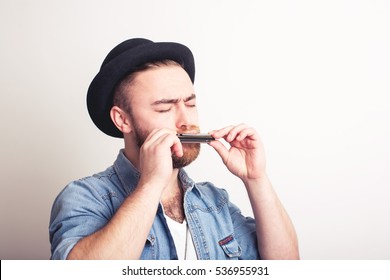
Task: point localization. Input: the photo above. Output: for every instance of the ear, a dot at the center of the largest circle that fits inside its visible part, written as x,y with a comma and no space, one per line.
121,119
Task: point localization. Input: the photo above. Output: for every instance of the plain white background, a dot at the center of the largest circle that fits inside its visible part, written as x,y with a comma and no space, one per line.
313,77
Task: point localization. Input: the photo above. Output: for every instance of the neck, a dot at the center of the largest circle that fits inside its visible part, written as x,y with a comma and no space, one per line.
172,200
173,188
132,152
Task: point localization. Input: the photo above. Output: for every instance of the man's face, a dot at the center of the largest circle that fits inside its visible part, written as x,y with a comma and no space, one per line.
163,97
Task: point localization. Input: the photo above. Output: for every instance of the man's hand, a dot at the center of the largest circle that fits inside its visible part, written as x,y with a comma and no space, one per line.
245,158
123,237
156,157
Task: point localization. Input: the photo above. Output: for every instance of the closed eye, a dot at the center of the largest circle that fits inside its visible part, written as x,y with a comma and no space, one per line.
163,111
190,101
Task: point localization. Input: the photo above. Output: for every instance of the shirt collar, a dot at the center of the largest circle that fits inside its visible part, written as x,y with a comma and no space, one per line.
127,173
187,183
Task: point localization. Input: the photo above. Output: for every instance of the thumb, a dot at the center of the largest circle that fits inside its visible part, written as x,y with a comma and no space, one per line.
221,150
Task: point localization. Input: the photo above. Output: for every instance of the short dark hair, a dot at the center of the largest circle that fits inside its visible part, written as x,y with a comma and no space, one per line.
121,98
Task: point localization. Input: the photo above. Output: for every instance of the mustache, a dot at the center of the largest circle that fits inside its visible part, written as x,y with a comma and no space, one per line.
189,129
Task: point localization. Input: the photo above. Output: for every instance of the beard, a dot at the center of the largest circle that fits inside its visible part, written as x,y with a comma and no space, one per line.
190,150
190,153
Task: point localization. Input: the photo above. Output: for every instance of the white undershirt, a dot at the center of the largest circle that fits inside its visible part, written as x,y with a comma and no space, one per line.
182,238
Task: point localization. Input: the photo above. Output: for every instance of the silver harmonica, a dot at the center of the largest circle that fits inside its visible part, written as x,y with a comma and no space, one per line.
195,138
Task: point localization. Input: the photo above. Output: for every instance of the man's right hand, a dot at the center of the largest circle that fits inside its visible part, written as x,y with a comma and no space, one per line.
155,163
132,222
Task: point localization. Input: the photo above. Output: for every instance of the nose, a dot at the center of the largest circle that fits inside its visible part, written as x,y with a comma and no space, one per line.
185,118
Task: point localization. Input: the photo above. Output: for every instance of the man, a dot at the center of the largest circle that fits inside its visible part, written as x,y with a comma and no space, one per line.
145,206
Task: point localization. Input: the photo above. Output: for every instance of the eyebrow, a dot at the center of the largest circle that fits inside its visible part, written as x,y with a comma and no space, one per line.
173,101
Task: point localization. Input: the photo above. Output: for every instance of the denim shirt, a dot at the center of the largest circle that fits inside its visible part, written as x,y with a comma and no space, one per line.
218,229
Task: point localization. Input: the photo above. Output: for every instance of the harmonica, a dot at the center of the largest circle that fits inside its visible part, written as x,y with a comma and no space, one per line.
195,138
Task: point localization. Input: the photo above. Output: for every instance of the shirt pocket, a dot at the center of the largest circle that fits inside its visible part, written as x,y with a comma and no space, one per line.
149,252
230,246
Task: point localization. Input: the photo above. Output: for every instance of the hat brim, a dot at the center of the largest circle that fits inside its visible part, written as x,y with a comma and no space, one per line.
101,90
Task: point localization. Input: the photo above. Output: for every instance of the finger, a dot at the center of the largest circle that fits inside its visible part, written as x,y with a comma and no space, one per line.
172,142
156,138
232,135
246,133
221,150
156,134
177,148
151,138
220,133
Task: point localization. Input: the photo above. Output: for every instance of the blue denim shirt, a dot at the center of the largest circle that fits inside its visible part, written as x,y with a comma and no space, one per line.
218,229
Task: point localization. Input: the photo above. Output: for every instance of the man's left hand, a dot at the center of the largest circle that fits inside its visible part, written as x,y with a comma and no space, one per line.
245,158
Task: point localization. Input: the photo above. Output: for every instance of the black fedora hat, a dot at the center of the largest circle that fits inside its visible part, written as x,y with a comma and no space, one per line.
122,60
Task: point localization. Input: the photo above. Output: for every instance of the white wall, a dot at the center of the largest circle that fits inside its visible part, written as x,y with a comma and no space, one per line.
311,76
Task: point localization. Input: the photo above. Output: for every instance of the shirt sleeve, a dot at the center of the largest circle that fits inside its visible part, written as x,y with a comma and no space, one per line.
78,211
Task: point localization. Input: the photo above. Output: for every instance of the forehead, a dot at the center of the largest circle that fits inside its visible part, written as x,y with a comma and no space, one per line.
161,82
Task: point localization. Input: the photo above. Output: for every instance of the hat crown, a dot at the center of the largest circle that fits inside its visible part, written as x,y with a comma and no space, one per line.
123,47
